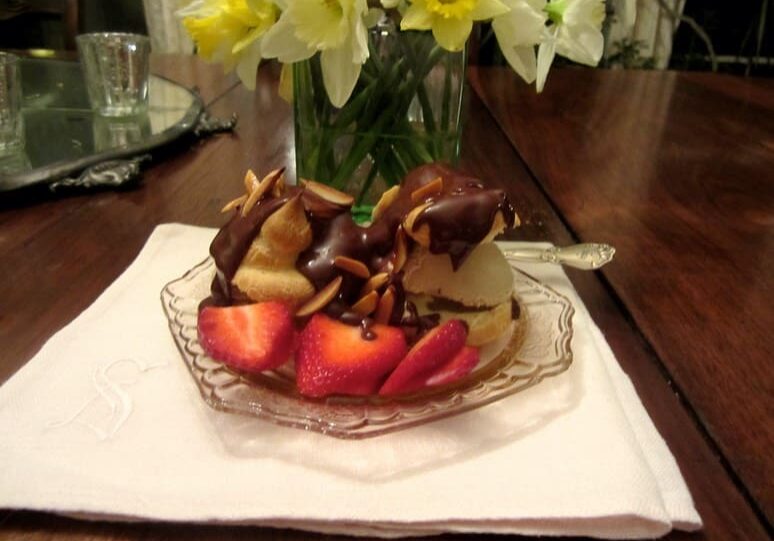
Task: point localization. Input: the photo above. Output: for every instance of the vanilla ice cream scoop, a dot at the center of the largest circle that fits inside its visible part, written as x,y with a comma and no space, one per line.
485,278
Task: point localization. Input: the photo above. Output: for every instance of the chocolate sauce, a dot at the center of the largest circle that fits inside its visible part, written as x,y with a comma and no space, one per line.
515,309
230,246
462,215
447,305
459,217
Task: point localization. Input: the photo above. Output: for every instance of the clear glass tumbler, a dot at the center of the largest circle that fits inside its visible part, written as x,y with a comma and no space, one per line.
116,68
11,121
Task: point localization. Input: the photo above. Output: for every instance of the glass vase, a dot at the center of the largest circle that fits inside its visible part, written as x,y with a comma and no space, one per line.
404,111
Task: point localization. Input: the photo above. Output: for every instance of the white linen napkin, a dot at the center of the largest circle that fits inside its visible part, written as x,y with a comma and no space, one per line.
106,421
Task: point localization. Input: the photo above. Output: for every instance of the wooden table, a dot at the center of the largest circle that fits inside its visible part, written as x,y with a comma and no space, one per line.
673,169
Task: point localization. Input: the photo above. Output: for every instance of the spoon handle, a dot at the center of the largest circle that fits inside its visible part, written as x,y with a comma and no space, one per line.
586,256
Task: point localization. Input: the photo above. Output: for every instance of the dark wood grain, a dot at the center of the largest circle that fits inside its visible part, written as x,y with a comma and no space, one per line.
87,241
677,171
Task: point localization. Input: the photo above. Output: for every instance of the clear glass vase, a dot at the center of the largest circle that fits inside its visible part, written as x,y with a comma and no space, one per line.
404,111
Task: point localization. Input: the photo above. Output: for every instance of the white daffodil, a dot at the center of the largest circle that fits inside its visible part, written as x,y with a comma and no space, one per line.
628,11
576,33
450,20
336,28
229,32
518,32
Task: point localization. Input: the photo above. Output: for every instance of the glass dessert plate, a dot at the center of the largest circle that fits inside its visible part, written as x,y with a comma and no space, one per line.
538,347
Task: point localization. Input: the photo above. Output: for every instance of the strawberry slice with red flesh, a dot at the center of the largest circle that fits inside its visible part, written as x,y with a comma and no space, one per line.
336,358
250,337
433,351
460,366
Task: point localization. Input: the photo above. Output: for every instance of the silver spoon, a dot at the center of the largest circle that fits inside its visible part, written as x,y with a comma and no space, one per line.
586,256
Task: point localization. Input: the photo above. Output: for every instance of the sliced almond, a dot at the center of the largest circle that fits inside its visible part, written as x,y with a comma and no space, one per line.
374,283
366,304
251,181
264,186
320,299
387,199
279,186
431,188
421,234
385,306
401,251
234,203
411,217
332,195
353,266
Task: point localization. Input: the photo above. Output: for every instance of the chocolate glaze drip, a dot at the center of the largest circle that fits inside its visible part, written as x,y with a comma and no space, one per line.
460,217
416,326
515,309
230,246
448,305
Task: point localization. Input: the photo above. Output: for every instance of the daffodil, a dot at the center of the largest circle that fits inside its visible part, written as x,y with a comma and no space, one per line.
230,32
576,33
627,10
518,32
336,28
450,20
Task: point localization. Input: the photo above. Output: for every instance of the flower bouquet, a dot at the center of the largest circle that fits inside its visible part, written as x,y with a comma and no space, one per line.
377,87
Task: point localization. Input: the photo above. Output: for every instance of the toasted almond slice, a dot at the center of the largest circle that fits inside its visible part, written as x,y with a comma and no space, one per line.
366,304
387,199
251,181
421,233
265,185
401,251
274,175
374,283
431,188
321,298
411,217
252,199
353,266
279,186
385,306
332,195
234,203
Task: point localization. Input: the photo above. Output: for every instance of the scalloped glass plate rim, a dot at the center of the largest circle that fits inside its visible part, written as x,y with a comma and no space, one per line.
362,416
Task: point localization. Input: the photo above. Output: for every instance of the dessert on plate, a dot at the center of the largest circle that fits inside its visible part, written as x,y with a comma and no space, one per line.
397,306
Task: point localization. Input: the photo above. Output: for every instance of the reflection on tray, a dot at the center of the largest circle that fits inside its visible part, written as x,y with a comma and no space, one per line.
63,135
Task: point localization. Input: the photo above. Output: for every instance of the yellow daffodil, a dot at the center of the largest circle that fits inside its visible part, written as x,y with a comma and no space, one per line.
450,20
230,32
336,28
518,32
575,33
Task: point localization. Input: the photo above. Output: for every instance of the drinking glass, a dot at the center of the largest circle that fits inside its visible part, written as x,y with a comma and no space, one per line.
11,122
114,132
116,67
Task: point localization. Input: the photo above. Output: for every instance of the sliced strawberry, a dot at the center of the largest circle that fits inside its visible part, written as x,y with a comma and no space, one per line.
252,337
335,358
460,366
434,350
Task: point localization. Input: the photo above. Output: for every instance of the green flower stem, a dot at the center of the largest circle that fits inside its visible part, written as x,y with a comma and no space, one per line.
374,125
446,97
378,157
424,101
346,116
397,110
